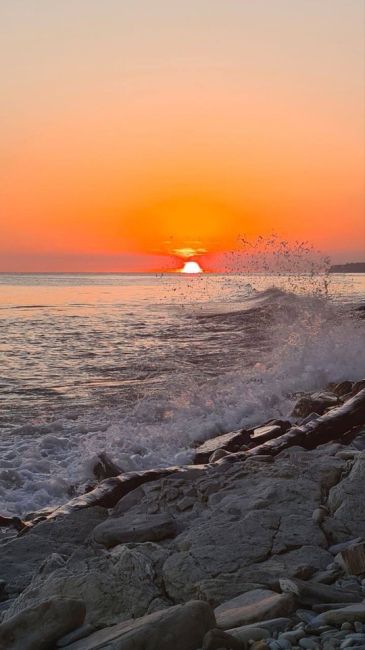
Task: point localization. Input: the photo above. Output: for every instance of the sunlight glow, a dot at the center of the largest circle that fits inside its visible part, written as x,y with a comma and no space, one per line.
191,267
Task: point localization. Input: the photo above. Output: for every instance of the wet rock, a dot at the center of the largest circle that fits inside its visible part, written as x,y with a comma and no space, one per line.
343,388
317,402
256,605
12,522
271,430
182,627
232,441
218,454
150,528
104,467
39,627
310,593
358,386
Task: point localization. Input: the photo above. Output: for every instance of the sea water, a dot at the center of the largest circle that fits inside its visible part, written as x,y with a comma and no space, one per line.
144,366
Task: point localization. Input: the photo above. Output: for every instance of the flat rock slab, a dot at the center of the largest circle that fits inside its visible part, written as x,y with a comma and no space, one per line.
39,627
346,615
182,627
253,606
123,530
310,593
232,441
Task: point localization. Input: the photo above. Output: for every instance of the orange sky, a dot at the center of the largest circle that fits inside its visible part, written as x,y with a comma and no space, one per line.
135,132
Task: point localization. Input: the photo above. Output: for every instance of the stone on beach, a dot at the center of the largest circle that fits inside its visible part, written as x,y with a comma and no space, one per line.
151,528
232,441
39,627
253,606
309,593
24,555
182,627
355,612
352,559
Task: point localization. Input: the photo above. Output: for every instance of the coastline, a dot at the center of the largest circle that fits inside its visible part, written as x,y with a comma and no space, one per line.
266,517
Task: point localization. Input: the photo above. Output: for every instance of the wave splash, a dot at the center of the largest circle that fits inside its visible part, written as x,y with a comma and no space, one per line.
260,350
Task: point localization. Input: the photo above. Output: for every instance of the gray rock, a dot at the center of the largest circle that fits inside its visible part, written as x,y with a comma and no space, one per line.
308,644
345,501
347,614
181,627
228,441
104,467
310,593
217,639
151,528
77,634
256,605
247,633
115,586
23,556
218,454
317,402
39,627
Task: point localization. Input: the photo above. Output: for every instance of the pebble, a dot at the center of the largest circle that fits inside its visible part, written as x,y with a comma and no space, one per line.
308,644
358,626
284,643
293,636
346,626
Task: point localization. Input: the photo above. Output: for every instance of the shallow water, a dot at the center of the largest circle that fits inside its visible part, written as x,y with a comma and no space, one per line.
142,366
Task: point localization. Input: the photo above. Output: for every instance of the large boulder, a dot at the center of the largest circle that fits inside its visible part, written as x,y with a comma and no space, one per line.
181,627
114,586
21,557
40,626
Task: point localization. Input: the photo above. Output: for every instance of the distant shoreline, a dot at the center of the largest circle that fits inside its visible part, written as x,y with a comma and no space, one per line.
351,267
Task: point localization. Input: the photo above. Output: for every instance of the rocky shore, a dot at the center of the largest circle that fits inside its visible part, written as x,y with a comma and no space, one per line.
260,544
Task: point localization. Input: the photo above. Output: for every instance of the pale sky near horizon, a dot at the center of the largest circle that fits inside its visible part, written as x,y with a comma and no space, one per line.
134,132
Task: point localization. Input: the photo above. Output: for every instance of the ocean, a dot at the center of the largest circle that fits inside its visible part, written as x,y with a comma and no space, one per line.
144,366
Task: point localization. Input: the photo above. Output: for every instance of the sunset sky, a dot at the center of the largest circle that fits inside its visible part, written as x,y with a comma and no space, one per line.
136,133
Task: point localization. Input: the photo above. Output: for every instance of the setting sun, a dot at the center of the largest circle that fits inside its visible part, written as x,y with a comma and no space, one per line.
191,267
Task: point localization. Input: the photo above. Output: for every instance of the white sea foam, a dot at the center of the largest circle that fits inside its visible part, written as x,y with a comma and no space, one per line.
265,346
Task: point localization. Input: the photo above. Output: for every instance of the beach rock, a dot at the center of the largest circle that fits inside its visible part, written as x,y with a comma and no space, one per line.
114,586
348,614
345,501
150,528
103,467
248,633
310,593
217,639
21,557
40,626
343,388
256,605
77,634
272,429
352,559
110,491
182,627
317,402
232,441
218,454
